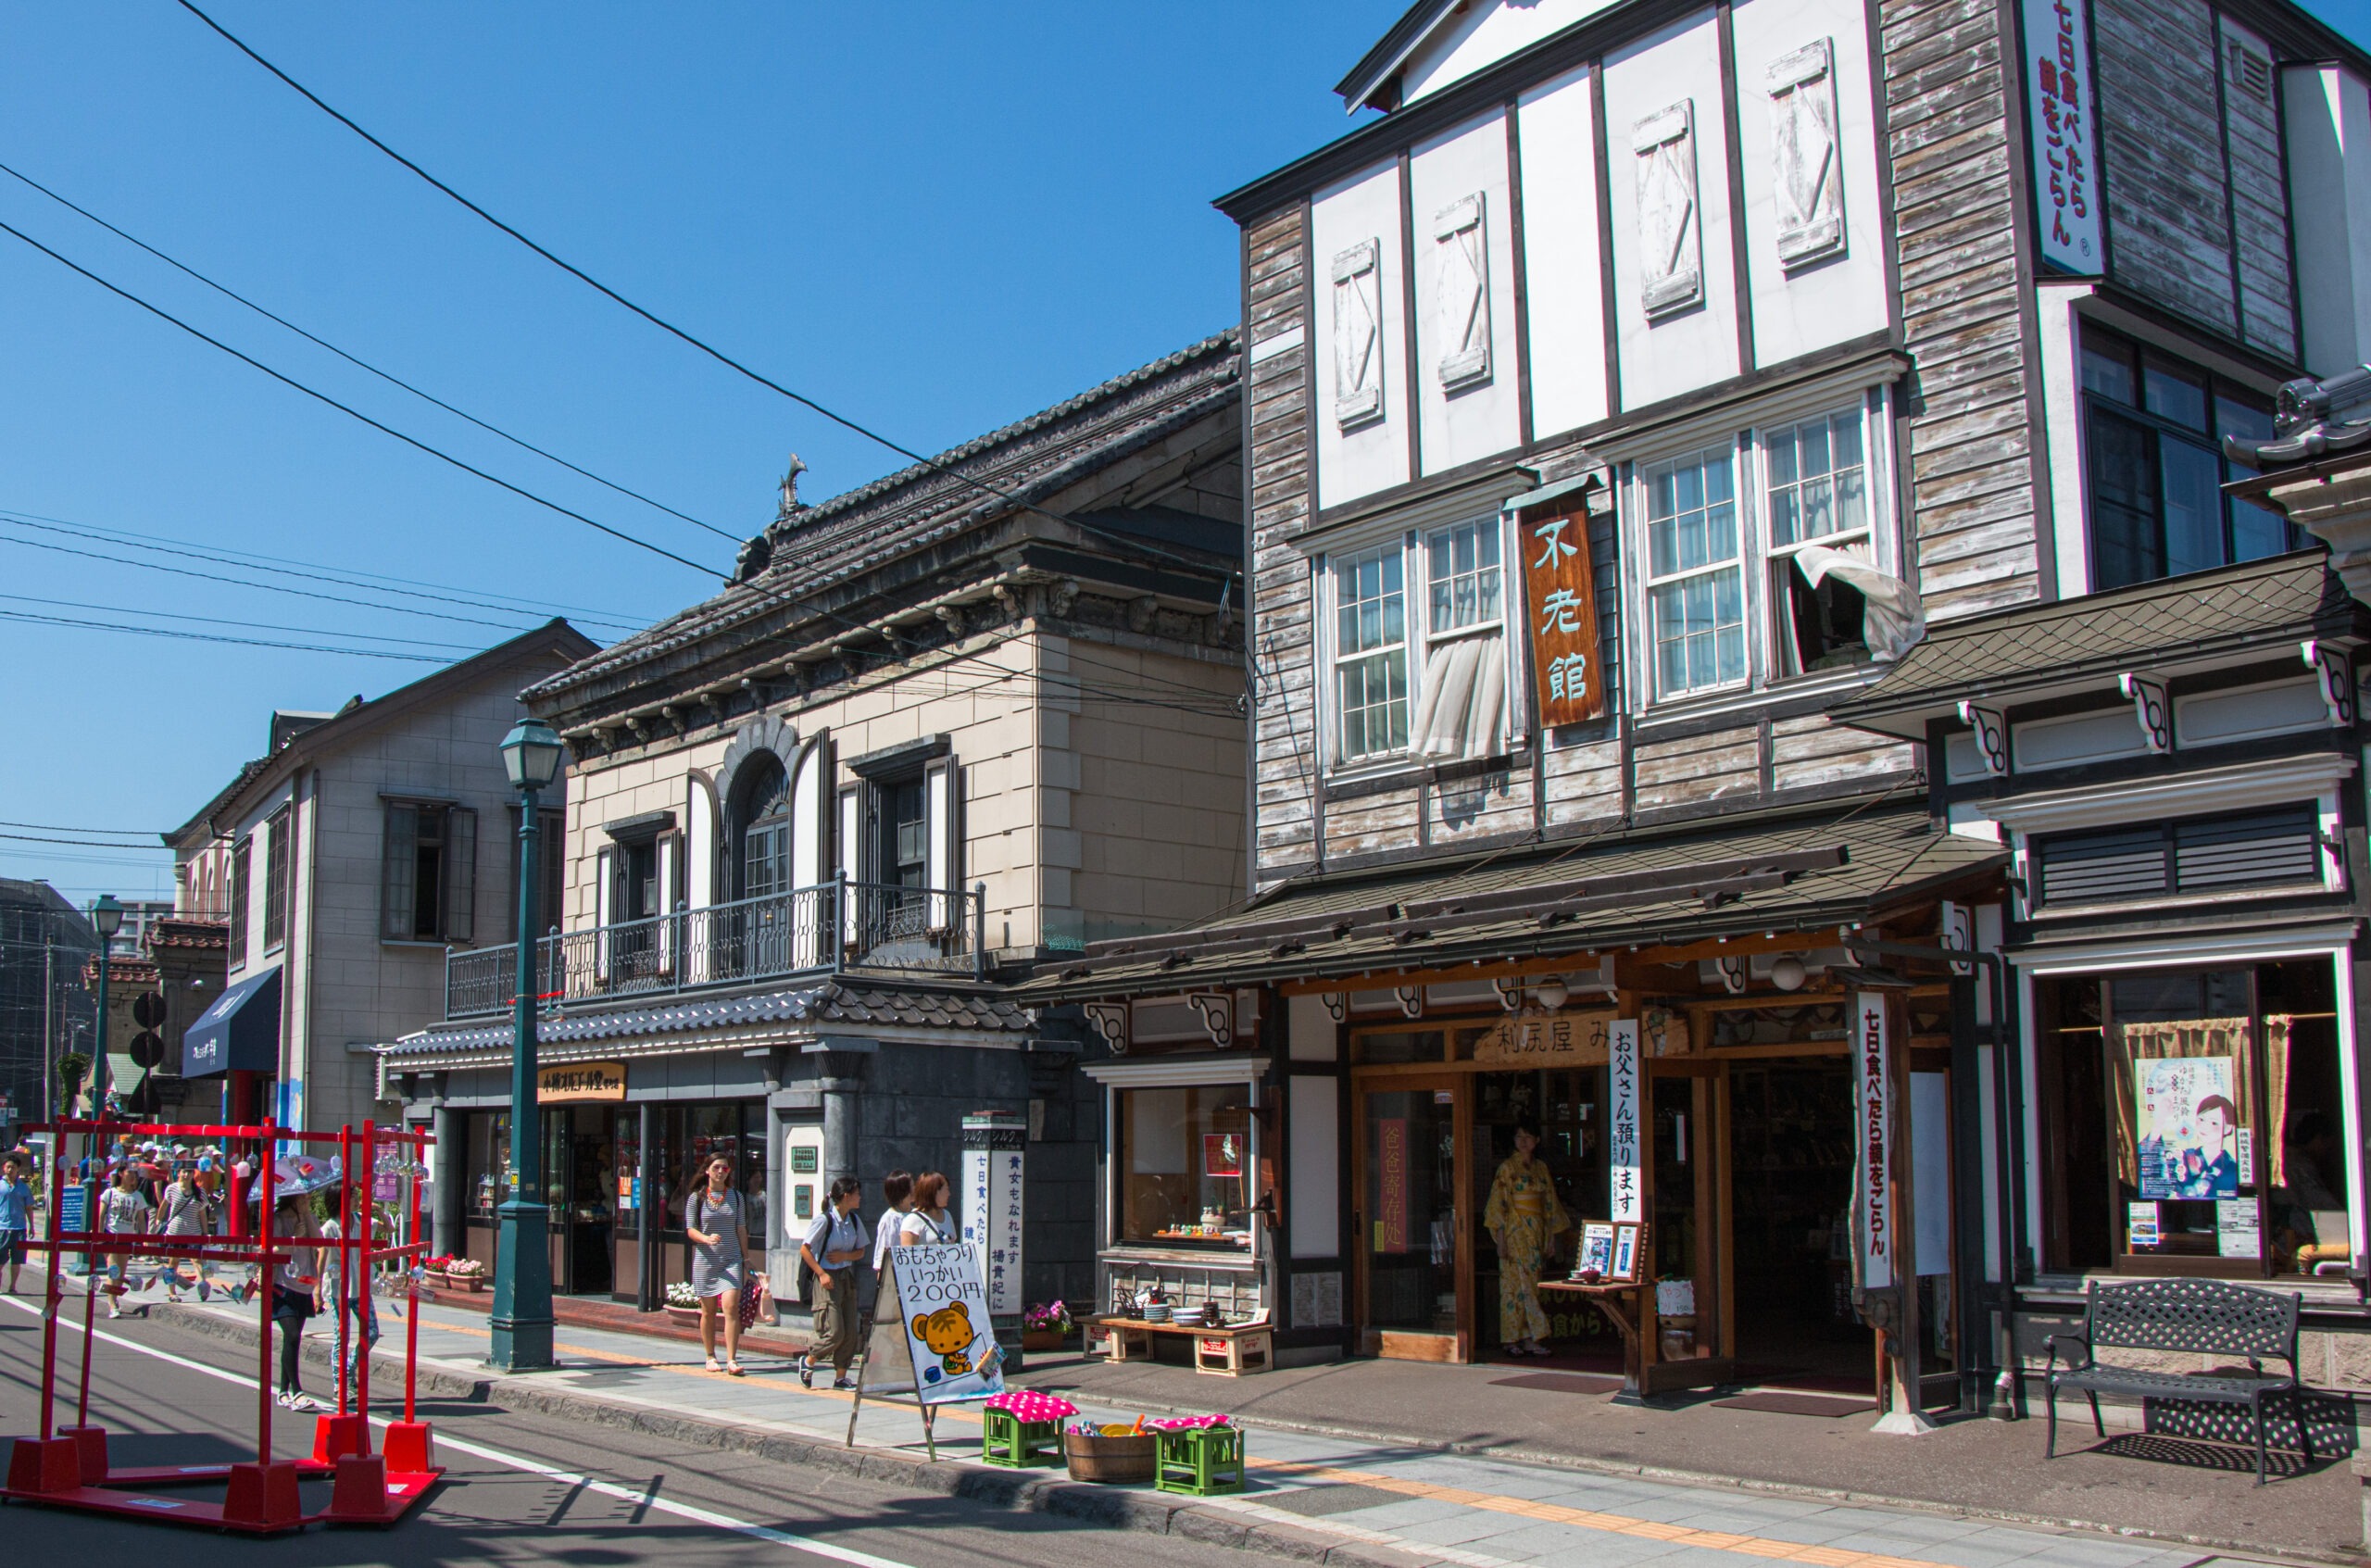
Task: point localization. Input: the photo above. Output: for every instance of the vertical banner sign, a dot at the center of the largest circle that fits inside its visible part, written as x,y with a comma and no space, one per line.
1622,1150
993,1167
945,1313
1391,1183
1561,591
1872,1091
2061,129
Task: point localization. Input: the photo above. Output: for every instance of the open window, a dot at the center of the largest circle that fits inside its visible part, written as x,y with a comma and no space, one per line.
428,876
1429,685
1815,487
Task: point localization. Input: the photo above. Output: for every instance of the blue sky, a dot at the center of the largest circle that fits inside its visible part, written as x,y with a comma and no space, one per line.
935,217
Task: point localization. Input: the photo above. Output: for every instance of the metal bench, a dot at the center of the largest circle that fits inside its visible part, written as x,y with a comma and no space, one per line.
2205,1316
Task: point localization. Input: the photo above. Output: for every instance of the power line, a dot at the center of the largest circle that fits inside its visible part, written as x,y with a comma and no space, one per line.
411,441
348,577
76,843
666,326
210,637
360,363
53,827
224,620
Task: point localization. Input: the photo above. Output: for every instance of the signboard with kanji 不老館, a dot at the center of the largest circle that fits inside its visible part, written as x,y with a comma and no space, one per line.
1560,596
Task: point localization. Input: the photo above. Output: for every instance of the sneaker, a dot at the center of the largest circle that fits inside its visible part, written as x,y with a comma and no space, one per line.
844,1381
114,1311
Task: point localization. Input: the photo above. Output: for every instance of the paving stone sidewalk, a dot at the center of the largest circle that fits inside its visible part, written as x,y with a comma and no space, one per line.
1312,1495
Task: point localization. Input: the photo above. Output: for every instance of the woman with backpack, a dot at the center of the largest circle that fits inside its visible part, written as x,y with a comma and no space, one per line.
716,1219
834,1245
187,1211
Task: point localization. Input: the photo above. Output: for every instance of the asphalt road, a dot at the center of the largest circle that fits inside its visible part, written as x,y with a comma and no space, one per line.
519,1488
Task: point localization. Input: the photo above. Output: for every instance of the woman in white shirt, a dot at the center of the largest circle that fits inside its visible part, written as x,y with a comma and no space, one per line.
929,1224
897,1197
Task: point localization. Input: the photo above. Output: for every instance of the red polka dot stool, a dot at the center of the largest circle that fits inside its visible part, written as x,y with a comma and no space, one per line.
1022,1427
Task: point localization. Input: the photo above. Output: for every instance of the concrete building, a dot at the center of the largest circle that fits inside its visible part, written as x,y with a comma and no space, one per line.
350,858
972,715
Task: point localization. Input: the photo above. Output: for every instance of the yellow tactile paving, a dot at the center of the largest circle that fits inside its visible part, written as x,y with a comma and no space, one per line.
1493,1502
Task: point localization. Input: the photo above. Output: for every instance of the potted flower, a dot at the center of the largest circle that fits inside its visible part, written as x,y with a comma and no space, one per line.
432,1270
465,1273
1045,1326
681,1305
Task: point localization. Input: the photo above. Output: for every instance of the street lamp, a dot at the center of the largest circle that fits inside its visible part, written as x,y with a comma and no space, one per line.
523,1262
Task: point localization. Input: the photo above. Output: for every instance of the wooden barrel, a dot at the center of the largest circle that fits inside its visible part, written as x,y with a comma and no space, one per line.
1112,1460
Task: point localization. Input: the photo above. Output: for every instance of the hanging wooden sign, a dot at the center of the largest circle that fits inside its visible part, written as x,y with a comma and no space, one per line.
1560,590
1546,1039
579,1080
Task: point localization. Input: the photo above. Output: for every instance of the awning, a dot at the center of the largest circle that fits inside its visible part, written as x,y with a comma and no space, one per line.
240,1033
1790,872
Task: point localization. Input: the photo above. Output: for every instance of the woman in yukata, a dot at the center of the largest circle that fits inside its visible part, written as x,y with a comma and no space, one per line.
1523,1219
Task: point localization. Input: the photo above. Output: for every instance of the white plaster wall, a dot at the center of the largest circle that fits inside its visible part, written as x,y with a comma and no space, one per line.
1482,418
1374,456
1842,297
2330,174
1485,34
1563,278
1699,347
2062,405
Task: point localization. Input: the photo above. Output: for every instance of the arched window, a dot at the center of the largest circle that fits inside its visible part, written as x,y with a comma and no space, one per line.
763,820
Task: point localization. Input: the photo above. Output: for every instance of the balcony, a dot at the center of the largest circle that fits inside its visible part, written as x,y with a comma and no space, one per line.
832,928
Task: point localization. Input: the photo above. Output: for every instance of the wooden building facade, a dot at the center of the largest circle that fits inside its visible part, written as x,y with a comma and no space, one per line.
1631,394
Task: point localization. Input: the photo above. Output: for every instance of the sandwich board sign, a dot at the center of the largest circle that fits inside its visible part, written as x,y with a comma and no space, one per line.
942,1304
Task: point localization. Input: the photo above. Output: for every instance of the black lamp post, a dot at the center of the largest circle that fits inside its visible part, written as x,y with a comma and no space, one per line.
522,1262
107,918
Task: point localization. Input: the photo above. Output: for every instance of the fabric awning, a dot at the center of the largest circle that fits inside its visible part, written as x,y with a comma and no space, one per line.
240,1033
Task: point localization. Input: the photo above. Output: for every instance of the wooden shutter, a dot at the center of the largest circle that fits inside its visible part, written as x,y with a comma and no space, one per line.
699,874
671,872
943,825
2247,850
849,852
460,874
399,869
813,803
605,897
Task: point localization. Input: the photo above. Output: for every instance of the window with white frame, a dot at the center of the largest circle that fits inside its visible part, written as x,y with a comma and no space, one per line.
1766,555
1370,655
1695,573
1430,685
1815,488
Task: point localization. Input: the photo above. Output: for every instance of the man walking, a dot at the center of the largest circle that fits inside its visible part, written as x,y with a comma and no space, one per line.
16,1216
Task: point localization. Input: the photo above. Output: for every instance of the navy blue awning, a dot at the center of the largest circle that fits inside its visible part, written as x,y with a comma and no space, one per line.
239,1033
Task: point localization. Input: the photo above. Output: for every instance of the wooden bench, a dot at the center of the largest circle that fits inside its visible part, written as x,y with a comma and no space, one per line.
2196,1316
1222,1352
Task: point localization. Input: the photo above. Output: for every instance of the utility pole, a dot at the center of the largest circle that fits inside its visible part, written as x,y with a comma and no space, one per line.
48,1028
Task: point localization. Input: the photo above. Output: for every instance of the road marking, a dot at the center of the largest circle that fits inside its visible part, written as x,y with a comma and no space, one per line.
709,1517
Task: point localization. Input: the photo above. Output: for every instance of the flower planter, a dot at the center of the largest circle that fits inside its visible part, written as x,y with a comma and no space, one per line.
1043,1339
469,1284
683,1314
434,1279
1111,1460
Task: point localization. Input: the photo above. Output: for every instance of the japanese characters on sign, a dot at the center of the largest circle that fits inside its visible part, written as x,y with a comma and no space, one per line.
581,1081
1391,1185
1560,596
1871,1098
992,1188
946,1320
1622,1147
1546,1039
2060,115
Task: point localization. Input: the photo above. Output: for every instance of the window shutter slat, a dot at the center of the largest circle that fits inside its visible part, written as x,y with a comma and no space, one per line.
942,867
850,851
670,870
604,896
399,869
460,874
2198,855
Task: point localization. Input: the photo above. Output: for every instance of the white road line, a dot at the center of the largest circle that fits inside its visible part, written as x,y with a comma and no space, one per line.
625,1494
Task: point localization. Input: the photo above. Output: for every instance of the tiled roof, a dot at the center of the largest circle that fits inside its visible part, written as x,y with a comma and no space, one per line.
1781,874
183,932
829,1003
904,512
2202,614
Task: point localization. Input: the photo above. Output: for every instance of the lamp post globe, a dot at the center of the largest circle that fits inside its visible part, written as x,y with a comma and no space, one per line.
522,1320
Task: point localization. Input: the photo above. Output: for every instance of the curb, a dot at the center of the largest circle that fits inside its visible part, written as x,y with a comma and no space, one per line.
1154,1512
1551,1459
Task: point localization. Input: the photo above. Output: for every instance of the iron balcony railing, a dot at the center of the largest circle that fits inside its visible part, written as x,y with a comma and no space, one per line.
838,927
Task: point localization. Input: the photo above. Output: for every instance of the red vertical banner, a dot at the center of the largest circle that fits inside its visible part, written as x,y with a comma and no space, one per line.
1391,1183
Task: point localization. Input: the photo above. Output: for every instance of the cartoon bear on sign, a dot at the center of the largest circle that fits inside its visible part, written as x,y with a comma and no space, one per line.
949,1334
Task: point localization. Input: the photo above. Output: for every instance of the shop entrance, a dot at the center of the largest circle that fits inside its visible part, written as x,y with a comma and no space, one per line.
1791,1178
581,1151
1414,1296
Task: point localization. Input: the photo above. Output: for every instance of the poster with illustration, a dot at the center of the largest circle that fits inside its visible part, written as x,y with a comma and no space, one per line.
943,1300
2188,1122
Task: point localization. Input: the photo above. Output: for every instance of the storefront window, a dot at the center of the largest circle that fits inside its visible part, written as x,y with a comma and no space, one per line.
488,1162
688,1136
2190,1120
1185,1163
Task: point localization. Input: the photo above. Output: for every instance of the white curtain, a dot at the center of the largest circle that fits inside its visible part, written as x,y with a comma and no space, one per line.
1893,618
1463,700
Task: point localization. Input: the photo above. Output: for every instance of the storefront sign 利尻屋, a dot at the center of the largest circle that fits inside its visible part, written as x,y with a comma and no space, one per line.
1546,1039
1391,1185
1873,1094
575,1082
1625,1181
